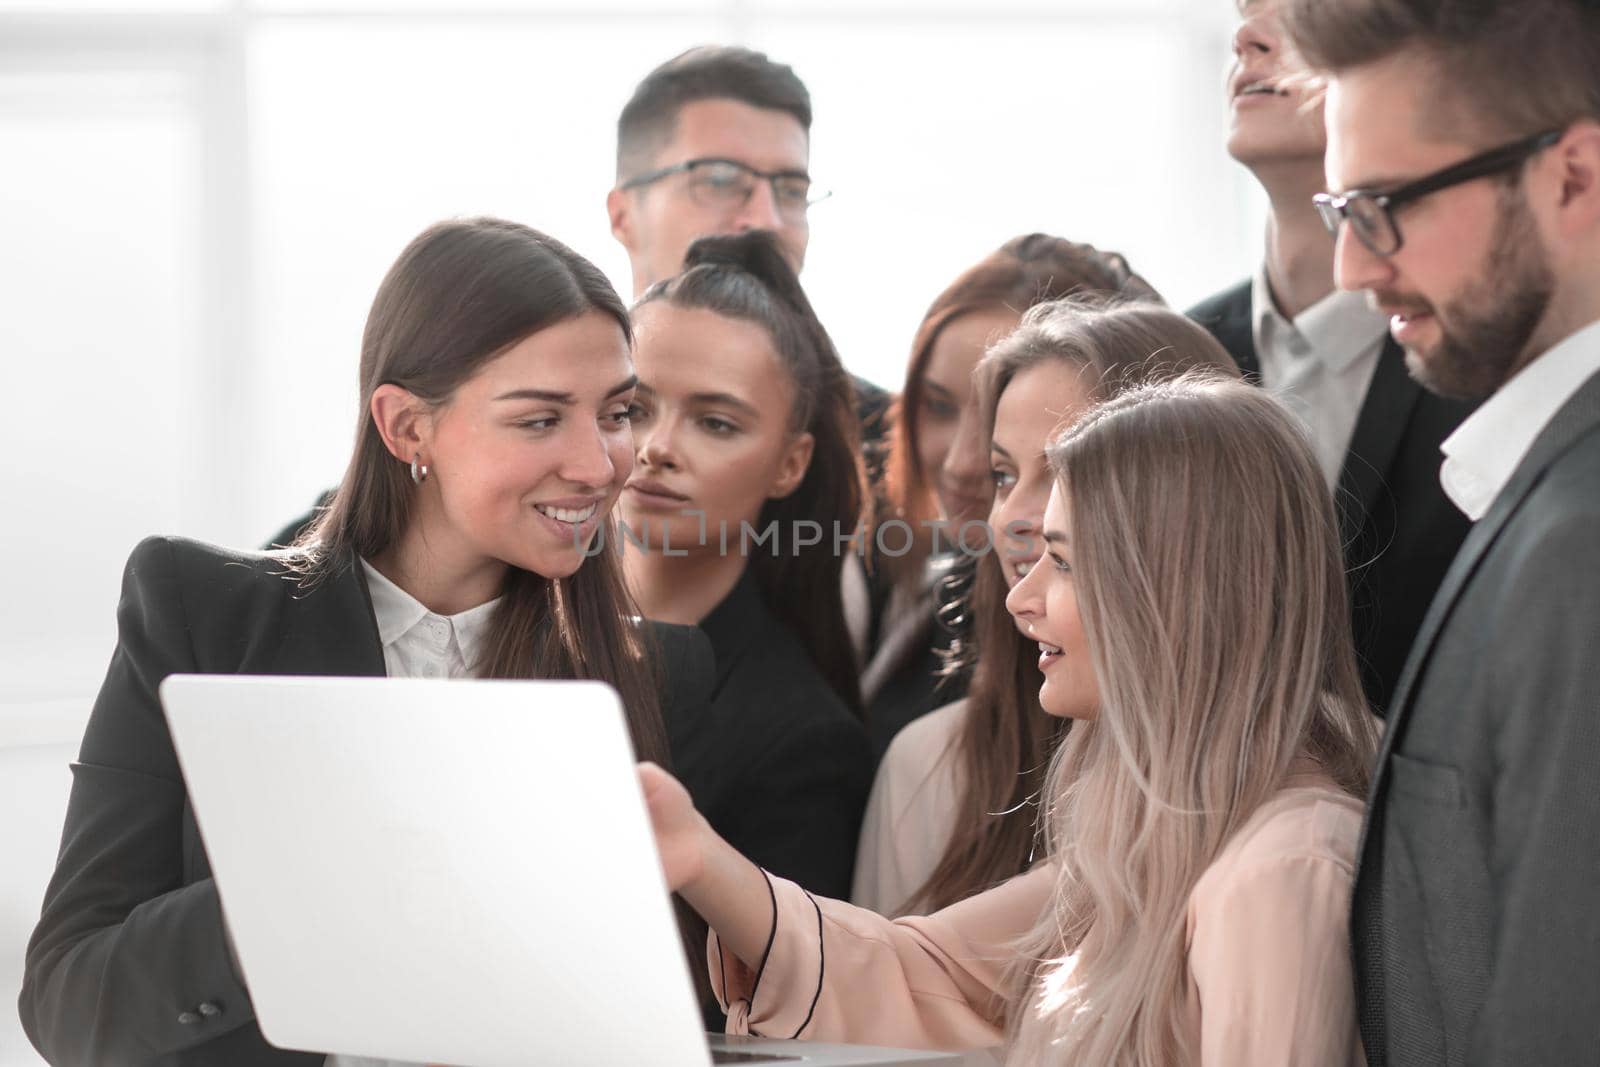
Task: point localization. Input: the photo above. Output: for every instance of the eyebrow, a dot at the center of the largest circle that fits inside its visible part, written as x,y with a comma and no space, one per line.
725,400
1375,185
565,399
1055,537
935,387
1381,184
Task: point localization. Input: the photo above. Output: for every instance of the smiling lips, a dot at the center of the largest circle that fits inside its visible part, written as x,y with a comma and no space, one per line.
1403,318
572,516
1259,87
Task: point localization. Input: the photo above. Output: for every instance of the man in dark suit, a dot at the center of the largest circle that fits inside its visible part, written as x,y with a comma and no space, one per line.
1464,156
1328,356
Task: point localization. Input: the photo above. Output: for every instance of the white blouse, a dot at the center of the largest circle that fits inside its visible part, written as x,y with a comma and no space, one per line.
910,813
418,643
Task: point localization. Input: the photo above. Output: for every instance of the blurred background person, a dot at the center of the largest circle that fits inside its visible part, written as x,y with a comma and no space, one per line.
717,140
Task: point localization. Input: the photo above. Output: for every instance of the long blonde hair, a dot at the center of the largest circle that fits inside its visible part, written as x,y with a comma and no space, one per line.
1210,581
1006,740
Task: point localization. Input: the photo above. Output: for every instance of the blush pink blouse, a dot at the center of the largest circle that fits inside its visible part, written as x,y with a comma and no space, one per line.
1270,980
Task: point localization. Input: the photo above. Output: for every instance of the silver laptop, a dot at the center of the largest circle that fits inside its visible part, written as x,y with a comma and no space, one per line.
453,872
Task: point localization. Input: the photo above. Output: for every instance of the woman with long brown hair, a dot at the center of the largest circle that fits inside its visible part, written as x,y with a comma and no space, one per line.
1201,816
904,675
746,476
492,440
954,805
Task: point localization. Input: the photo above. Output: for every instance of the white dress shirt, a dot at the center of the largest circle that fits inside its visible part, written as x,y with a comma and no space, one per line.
1487,448
1319,364
418,643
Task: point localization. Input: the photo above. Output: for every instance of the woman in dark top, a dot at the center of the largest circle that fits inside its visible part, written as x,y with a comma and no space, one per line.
746,470
493,440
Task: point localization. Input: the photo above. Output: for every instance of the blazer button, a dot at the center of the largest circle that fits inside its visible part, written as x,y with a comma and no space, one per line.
188,1018
210,1009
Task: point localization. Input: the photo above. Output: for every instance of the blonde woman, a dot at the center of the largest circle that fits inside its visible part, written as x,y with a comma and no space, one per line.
1202,814
953,808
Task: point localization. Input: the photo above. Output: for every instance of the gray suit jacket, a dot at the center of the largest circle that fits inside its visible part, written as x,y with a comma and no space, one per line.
1474,920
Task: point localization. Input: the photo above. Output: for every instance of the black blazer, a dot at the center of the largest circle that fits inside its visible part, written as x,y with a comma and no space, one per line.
128,963
1473,917
798,762
1399,529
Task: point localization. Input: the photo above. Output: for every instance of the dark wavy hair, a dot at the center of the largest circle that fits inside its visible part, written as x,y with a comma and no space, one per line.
745,277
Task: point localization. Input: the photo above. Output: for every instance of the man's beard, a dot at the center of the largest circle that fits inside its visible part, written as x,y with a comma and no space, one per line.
1486,329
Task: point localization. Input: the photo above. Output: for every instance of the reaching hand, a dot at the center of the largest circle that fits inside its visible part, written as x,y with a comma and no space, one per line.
677,825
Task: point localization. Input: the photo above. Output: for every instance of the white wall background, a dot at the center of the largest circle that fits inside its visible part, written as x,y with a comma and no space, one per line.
198,198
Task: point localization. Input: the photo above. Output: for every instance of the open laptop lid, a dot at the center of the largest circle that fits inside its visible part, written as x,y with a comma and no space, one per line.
441,871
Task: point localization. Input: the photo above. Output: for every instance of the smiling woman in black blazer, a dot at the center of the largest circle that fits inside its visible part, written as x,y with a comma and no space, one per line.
493,440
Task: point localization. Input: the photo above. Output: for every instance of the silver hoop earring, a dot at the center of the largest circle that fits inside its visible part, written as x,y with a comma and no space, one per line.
419,470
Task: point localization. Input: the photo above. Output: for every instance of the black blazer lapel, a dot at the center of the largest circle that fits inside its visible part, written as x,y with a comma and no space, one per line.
331,629
1227,317
1385,413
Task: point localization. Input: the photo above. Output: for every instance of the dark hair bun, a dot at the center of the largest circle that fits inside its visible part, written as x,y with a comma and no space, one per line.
756,253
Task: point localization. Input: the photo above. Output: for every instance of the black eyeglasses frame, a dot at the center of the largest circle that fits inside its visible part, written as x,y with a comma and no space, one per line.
1335,209
688,166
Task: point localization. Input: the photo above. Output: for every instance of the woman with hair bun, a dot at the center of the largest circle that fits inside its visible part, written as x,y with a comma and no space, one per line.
746,489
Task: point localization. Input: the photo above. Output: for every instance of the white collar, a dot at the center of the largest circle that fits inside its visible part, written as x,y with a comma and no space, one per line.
397,612
1336,329
1486,449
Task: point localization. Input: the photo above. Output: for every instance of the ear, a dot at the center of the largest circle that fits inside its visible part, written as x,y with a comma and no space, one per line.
619,208
792,470
1577,157
404,422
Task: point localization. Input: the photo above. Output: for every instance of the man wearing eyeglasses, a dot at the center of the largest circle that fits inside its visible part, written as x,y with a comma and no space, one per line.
1463,172
1327,355
718,140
